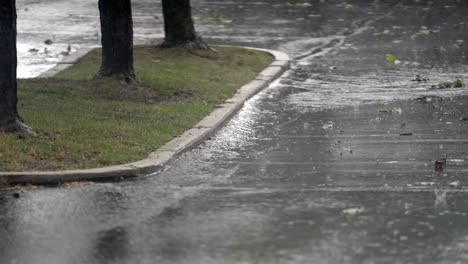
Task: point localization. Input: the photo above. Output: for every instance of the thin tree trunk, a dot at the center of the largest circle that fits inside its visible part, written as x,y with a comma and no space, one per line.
10,121
117,40
178,26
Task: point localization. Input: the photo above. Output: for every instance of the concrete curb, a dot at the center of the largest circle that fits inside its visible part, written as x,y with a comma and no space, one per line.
157,159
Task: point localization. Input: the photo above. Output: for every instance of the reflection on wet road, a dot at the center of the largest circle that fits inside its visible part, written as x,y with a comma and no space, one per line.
325,166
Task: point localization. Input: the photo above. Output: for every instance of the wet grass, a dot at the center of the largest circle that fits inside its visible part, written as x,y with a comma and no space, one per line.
85,123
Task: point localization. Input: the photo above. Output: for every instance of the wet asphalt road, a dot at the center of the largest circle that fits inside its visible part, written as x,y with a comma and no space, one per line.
334,163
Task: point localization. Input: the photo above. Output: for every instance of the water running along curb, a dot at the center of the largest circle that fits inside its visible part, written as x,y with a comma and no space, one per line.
157,159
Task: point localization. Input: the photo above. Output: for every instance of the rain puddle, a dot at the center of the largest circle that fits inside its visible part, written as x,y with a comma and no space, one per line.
338,71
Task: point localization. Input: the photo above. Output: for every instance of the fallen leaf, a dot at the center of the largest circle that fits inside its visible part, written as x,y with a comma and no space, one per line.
353,211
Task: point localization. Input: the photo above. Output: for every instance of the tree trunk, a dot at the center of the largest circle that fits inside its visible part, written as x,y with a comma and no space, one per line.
117,40
10,121
178,26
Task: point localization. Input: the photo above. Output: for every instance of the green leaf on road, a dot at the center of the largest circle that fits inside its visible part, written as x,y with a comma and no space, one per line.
391,58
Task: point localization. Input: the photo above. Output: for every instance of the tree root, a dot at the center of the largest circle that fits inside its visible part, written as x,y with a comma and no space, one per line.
197,44
128,77
17,126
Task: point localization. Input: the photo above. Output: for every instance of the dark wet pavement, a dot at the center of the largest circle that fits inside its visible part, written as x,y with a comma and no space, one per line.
334,163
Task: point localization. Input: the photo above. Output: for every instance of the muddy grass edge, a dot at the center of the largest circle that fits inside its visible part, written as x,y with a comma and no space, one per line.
178,145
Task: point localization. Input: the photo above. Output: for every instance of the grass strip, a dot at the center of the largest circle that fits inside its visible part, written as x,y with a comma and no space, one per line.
85,122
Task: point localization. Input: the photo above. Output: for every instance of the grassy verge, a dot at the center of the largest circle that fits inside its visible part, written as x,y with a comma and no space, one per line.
85,123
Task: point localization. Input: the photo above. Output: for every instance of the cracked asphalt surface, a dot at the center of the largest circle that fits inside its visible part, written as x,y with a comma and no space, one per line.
333,163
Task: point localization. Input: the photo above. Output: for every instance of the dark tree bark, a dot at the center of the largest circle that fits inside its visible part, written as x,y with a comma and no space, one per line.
10,121
178,26
117,40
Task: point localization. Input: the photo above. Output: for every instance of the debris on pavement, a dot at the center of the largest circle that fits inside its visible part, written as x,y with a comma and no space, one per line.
392,60
420,79
328,125
439,164
431,183
406,134
428,98
349,150
396,110
446,85
353,211
458,84
455,184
